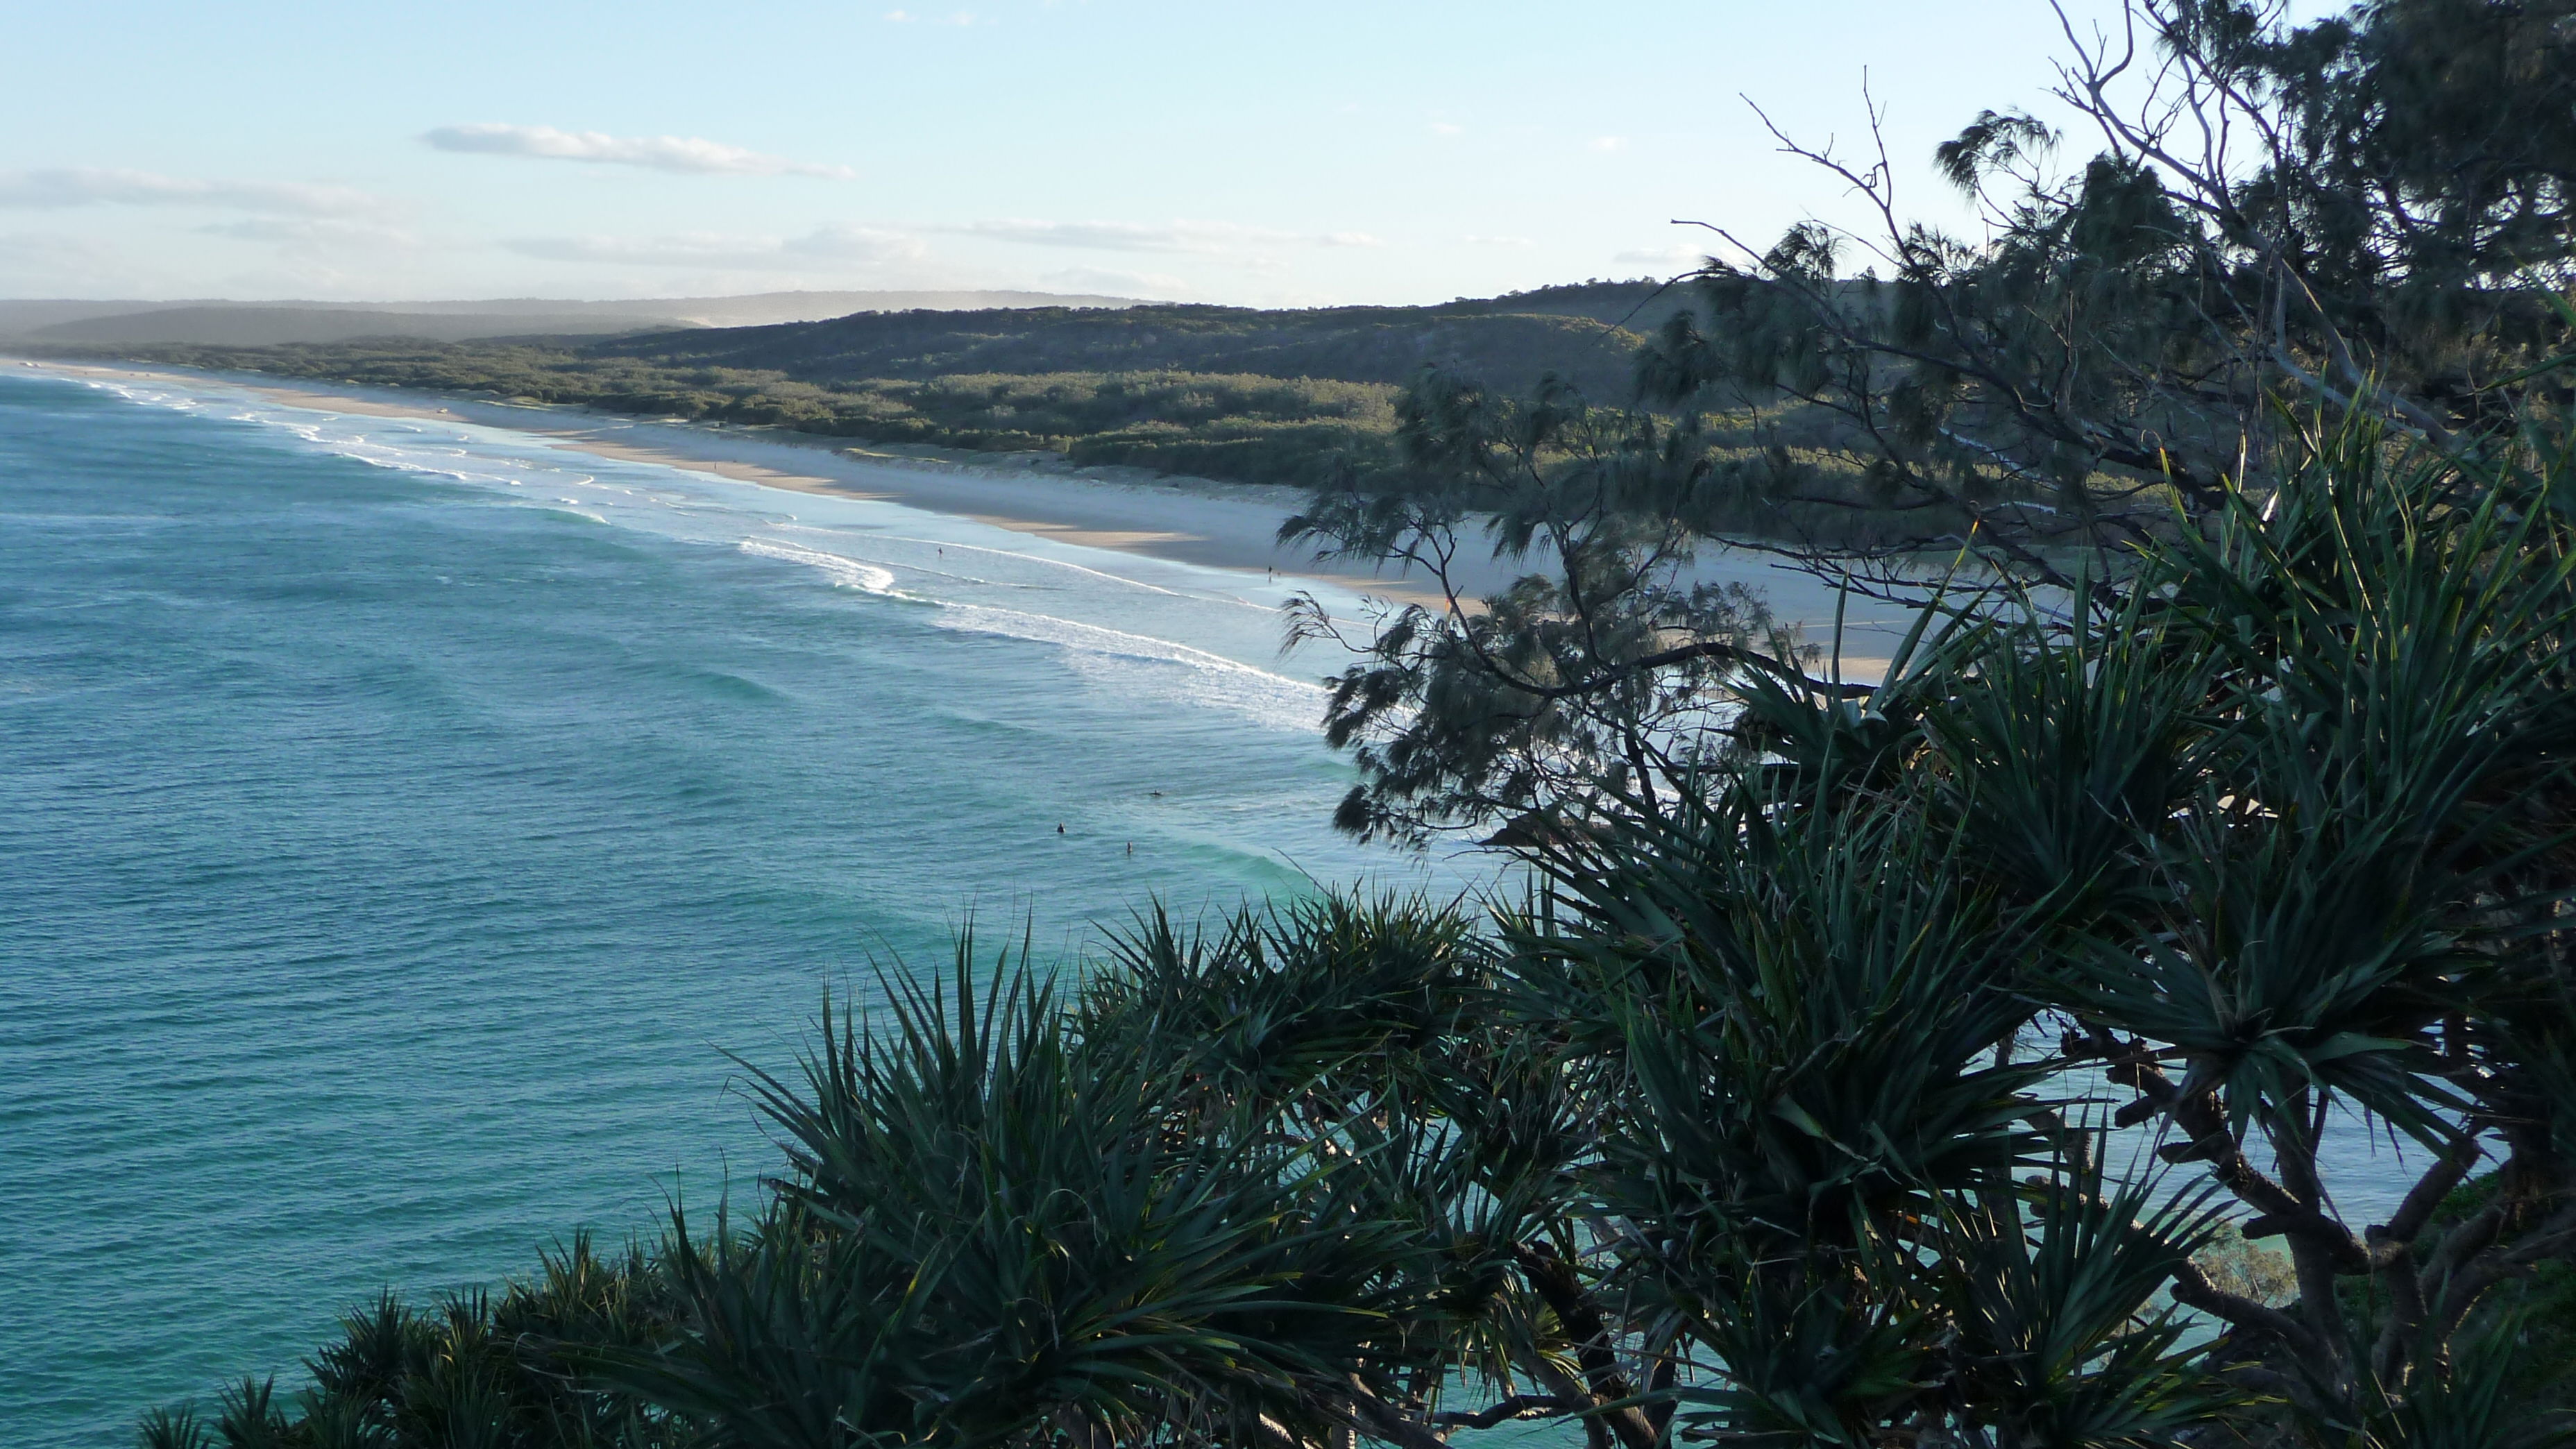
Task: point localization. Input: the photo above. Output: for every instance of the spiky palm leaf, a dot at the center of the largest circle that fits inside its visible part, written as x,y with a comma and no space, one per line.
1056,1250
2052,1286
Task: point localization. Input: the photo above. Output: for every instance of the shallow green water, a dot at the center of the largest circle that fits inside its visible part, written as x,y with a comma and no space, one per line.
399,820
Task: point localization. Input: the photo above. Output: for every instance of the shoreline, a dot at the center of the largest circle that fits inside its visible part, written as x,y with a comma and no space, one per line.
1199,521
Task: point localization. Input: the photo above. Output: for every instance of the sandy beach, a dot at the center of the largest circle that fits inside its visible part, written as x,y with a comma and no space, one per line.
1188,520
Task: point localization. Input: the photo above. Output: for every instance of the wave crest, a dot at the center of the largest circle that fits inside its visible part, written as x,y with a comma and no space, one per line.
846,573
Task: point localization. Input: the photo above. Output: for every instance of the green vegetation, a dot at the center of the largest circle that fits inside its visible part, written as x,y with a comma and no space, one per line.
1301,398
1776,1116
2375,219
2223,795
1307,399
1573,332
1241,427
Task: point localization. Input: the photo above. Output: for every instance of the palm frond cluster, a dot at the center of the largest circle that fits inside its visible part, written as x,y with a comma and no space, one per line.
1952,1069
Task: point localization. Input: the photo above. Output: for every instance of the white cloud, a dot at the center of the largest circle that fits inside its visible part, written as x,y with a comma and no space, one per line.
51,264
96,186
1204,238
1672,257
855,243
311,234
1447,128
962,17
1607,144
1154,286
661,153
1498,241
826,246
49,247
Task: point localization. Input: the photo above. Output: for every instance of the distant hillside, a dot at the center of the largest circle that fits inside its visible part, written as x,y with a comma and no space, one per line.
279,326
212,323
1347,344
770,308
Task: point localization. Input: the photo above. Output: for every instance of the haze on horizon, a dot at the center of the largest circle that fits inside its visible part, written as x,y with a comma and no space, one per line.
1319,153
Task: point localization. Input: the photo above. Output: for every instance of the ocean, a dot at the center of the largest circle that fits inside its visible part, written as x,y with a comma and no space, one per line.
400,821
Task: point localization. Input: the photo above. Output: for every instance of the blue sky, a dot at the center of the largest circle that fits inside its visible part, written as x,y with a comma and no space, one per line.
1275,154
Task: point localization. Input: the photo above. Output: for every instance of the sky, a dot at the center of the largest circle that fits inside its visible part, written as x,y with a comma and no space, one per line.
1279,154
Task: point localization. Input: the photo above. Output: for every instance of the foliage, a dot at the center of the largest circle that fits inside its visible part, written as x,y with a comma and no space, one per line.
2293,812
1296,397
474,1369
2257,1272
1775,1115
1599,672
1300,398
1573,330
2370,212
2363,217
2220,801
1244,427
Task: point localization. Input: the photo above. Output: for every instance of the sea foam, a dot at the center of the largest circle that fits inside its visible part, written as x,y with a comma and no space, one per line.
846,573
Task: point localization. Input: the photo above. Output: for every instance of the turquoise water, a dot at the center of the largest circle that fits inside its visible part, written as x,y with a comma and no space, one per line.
398,821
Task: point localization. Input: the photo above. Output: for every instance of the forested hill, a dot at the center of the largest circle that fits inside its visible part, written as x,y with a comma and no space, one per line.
1575,332
1224,392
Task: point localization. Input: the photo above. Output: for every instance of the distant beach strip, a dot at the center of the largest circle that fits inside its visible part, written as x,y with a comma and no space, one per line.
1197,521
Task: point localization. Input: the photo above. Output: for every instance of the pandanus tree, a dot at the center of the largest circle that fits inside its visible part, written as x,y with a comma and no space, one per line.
1935,1070
2274,839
